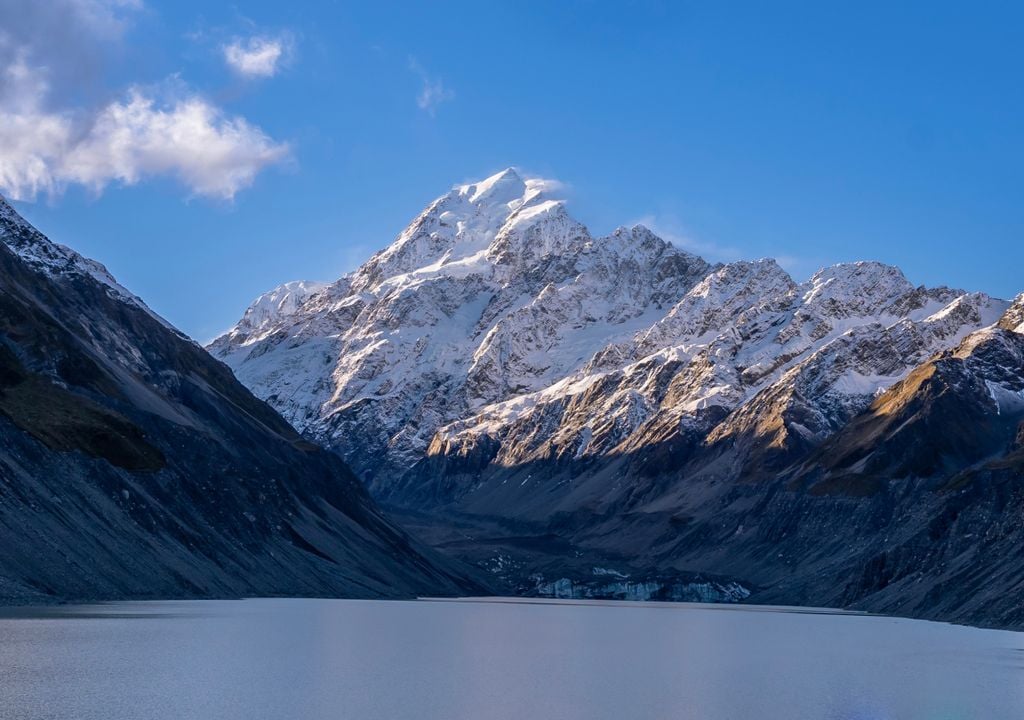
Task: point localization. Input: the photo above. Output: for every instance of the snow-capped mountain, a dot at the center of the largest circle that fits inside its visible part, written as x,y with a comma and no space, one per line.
746,340
272,307
493,292
612,416
497,324
134,465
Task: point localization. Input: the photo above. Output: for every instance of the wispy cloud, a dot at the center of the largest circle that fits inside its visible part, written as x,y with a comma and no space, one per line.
545,185
432,90
668,228
260,56
48,142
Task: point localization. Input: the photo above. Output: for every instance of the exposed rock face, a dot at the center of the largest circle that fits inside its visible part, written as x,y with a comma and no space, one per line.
495,319
792,365
1014,317
132,464
562,402
491,293
913,506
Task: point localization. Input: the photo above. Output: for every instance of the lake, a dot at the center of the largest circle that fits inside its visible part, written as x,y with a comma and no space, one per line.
492,659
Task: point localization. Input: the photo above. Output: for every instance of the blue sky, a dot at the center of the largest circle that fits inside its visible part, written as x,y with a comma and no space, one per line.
811,132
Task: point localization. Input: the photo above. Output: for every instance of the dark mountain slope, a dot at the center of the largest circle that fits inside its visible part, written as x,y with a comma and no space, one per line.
132,464
913,507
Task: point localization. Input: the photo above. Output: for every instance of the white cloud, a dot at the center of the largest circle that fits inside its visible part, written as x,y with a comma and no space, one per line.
190,139
186,137
257,57
60,126
432,91
29,138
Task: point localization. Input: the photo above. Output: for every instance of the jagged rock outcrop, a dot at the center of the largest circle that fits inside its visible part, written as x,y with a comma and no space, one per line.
1014,317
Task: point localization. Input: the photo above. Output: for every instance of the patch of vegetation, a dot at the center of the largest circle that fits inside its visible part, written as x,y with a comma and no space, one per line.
65,421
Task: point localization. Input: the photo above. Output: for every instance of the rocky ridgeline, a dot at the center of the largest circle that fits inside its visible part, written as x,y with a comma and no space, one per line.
497,326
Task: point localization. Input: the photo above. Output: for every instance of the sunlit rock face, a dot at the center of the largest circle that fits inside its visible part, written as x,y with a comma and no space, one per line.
496,326
493,292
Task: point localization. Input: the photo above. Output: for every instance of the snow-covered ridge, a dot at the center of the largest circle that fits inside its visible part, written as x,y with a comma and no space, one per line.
495,319
780,351
272,307
56,259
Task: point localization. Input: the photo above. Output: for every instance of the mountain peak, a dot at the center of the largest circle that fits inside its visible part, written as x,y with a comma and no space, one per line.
495,292
637,232
856,271
488,216
276,304
867,284
503,187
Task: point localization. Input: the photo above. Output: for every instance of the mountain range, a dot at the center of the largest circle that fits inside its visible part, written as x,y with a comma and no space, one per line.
499,401
134,465
616,417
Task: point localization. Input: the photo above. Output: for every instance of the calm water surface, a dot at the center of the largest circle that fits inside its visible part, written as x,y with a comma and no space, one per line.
296,659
